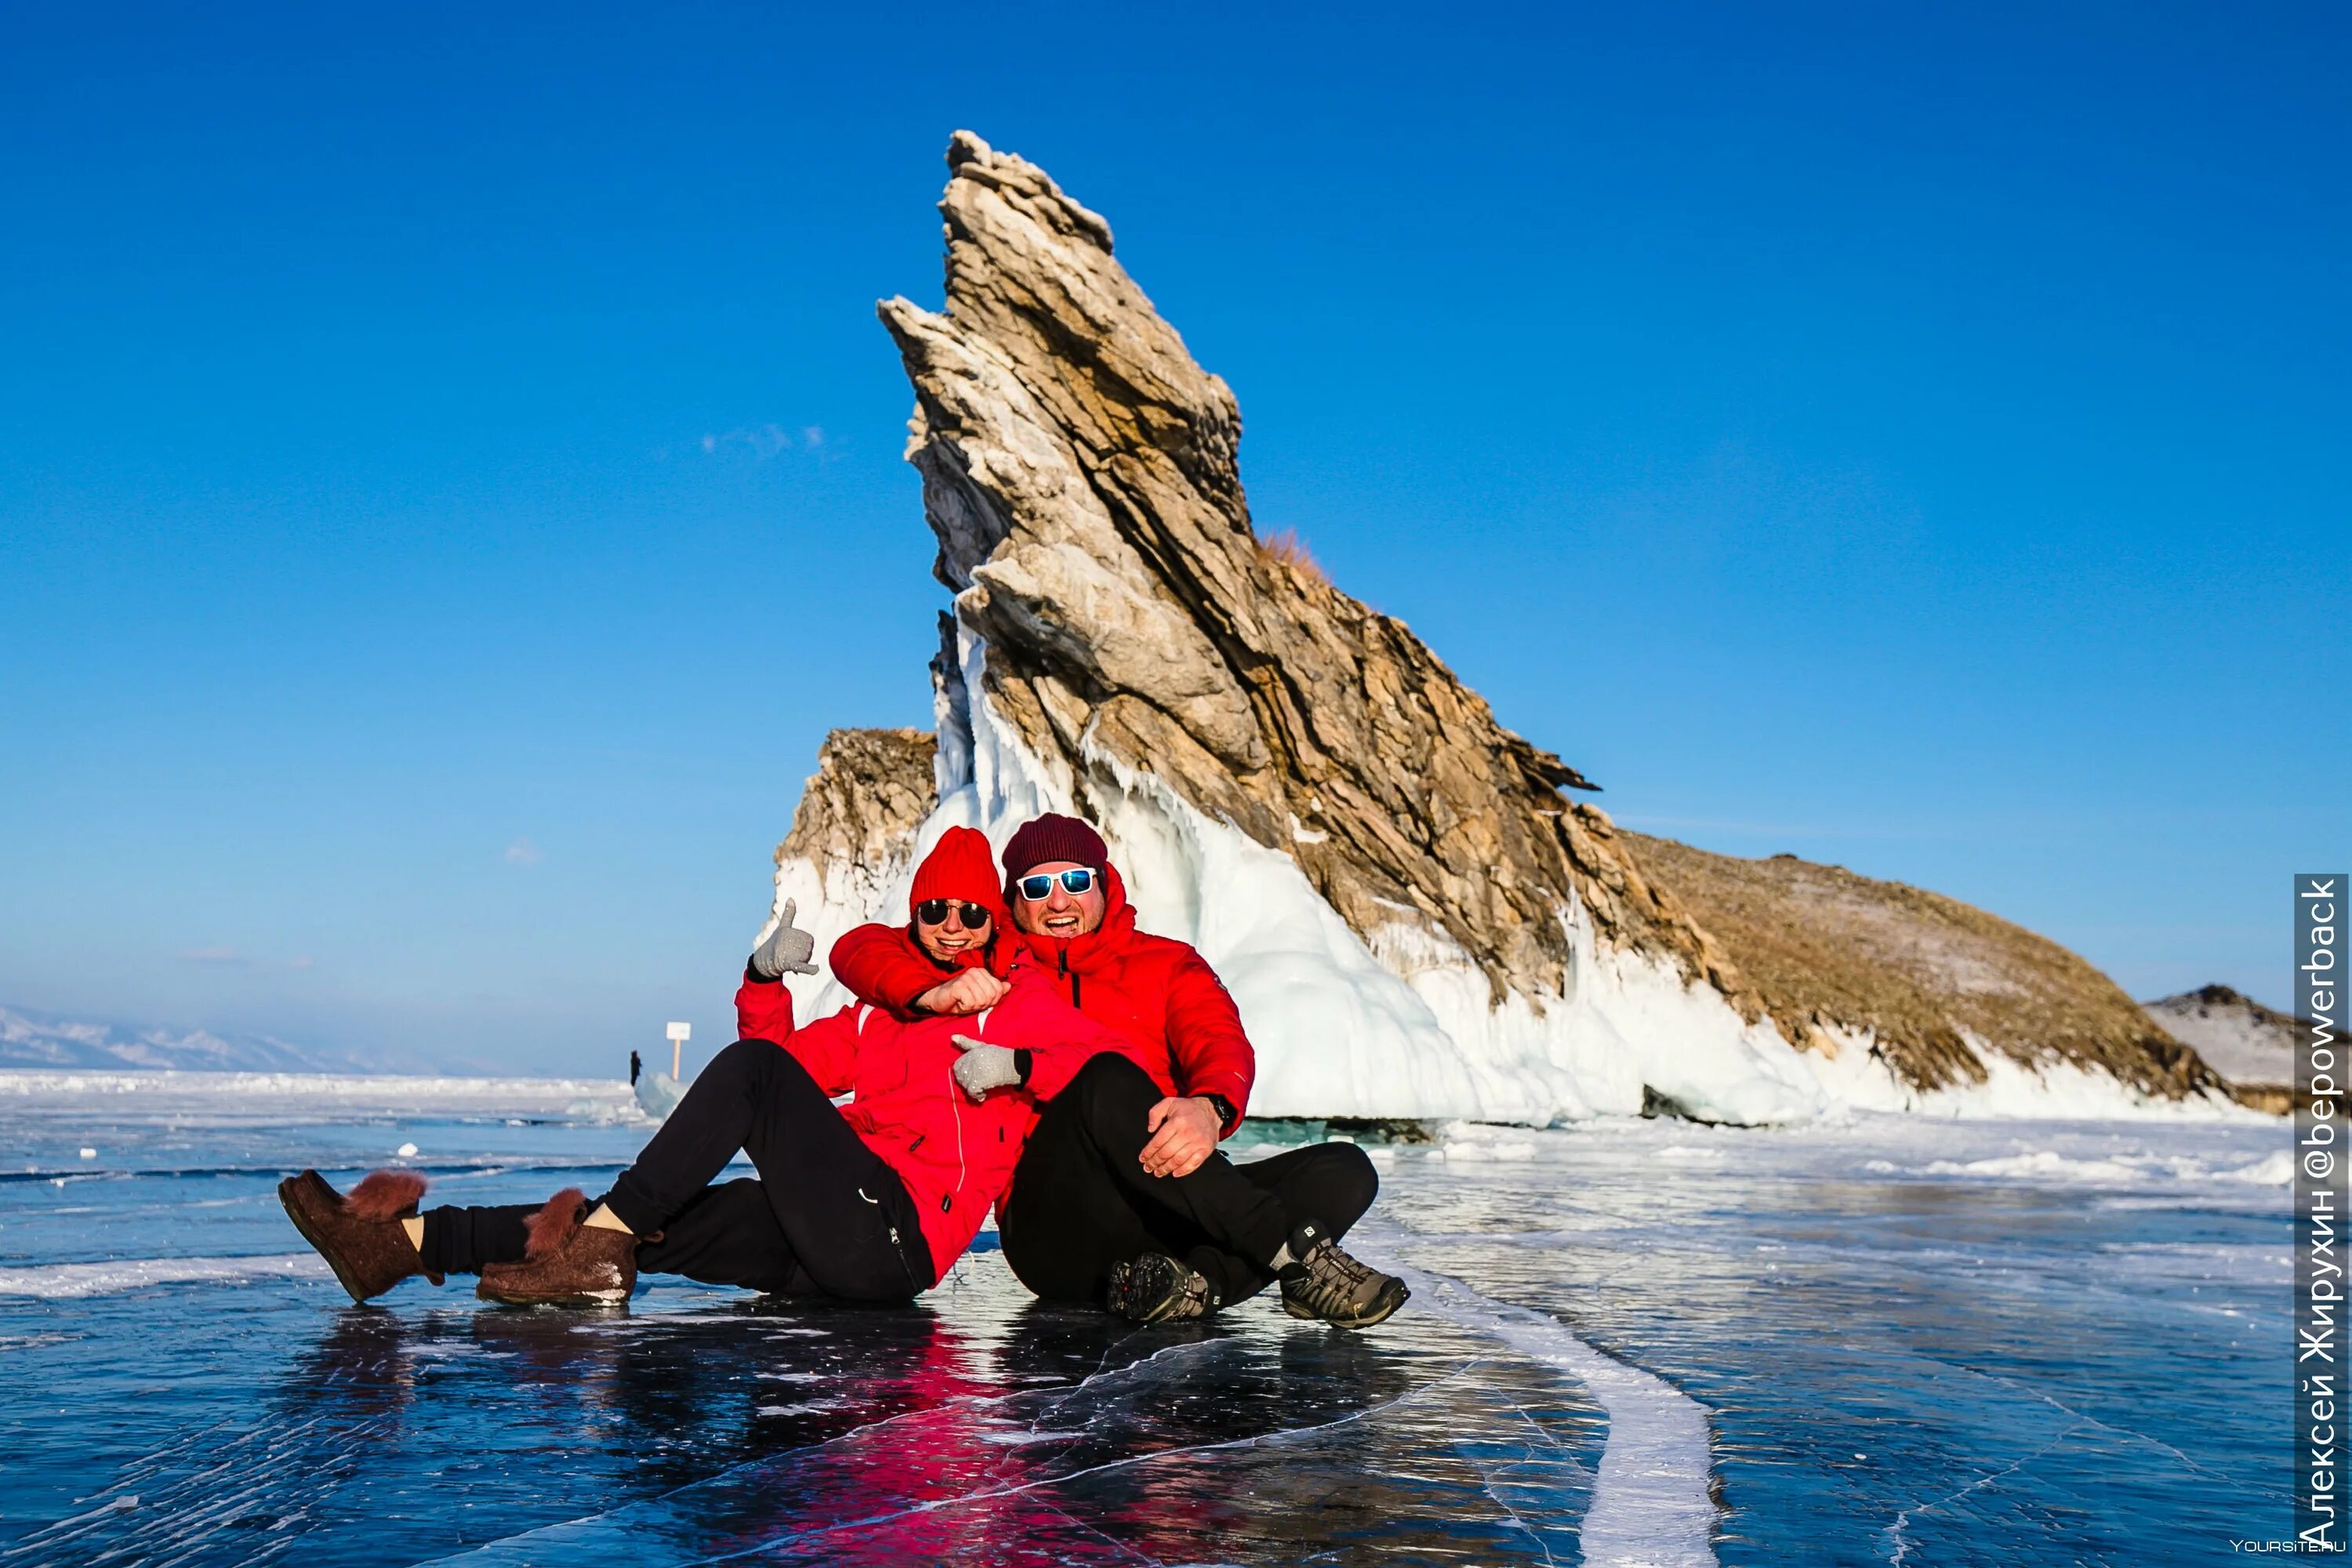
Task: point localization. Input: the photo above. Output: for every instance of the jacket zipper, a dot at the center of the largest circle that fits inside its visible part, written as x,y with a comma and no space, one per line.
897,1245
1063,960
955,1112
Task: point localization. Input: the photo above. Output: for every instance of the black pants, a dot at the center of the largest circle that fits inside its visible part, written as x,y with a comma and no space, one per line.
1081,1202
826,1216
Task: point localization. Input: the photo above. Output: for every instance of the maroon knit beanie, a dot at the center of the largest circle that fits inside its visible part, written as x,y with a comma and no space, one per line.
1053,836
958,868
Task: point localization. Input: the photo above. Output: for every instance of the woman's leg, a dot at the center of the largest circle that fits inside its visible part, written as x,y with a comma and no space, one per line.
743,1090
836,1215
460,1240
728,1235
841,1210
685,1153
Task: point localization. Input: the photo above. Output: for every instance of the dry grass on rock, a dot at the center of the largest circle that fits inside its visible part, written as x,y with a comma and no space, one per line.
1285,548
1823,946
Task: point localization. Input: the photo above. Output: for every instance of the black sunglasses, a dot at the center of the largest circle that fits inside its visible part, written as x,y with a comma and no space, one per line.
935,911
1040,888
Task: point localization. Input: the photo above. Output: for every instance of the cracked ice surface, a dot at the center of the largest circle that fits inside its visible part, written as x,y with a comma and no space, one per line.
1876,1341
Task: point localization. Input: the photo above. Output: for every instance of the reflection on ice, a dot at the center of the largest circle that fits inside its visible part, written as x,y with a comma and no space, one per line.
1152,1445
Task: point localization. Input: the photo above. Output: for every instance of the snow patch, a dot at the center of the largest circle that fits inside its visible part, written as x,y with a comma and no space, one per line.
1471,1143
2273,1170
74,1281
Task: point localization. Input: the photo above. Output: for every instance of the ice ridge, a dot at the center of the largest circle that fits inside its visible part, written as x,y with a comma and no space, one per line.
1651,1507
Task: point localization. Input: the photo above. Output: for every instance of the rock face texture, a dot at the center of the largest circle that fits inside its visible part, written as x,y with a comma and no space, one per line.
1933,979
856,825
1412,916
1080,472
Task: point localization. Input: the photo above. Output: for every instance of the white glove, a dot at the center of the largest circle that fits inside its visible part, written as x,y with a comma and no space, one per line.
787,950
984,1067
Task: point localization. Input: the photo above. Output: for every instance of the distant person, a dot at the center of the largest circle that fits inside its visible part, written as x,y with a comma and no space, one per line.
1121,1197
868,1202
635,1066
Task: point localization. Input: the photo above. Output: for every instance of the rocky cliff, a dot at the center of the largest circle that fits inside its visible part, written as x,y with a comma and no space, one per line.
853,833
1080,471
1415,917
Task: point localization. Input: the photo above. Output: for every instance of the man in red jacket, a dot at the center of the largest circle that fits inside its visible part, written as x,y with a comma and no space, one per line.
1121,1196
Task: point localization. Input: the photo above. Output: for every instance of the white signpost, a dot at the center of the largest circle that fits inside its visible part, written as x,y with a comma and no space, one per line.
679,1035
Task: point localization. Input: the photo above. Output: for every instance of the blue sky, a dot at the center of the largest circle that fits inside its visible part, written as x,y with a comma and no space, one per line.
450,479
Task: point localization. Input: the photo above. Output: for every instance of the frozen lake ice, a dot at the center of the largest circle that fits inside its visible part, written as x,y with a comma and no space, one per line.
1886,1341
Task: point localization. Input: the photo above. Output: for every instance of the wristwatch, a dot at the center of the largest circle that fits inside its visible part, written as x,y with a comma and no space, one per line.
1226,1114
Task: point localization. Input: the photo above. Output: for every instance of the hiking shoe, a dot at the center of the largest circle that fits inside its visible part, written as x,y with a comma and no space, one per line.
359,1236
1155,1287
565,1263
1322,1282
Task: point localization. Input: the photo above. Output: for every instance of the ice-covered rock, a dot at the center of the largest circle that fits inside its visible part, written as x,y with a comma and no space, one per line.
1412,916
2248,1044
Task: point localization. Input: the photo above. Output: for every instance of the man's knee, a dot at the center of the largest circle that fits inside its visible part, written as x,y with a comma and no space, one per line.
1351,1180
1109,1084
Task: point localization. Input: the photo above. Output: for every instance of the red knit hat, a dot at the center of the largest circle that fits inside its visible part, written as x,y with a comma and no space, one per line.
1053,836
958,867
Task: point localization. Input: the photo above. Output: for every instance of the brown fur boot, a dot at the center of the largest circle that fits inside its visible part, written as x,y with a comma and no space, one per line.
565,1263
360,1235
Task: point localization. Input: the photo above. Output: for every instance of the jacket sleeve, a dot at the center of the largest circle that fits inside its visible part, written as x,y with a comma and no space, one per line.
1206,1045
828,1048
875,964
763,1010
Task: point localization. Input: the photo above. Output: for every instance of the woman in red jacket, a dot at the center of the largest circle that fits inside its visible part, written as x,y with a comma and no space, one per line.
871,1201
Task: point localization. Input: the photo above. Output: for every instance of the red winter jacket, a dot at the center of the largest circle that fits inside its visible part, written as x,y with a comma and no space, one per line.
956,1158
1154,990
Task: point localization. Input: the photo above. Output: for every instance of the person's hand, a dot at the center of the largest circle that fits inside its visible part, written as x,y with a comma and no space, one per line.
1183,1133
787,950
971,991
984,1067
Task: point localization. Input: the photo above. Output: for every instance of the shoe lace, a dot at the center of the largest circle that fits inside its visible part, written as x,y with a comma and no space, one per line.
1332,1278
